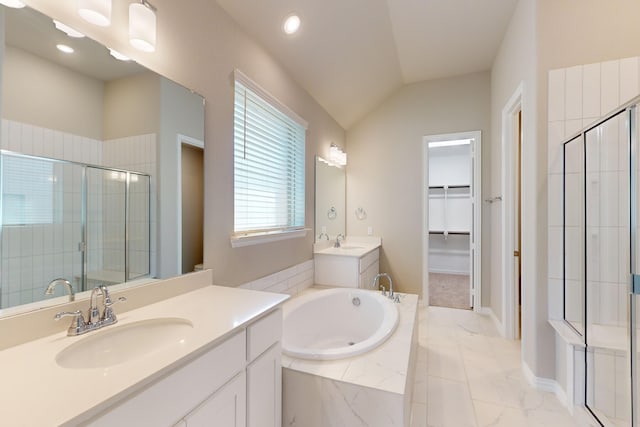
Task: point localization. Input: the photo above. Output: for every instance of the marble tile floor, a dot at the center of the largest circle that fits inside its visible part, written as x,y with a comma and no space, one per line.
469,376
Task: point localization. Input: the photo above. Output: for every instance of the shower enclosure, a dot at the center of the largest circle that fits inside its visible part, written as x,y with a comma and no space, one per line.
87,224
602,261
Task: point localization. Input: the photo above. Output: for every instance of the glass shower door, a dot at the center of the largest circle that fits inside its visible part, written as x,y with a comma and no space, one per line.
105,226
608,387
634,235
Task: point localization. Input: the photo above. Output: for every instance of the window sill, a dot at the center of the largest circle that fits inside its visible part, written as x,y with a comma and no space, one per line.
257,239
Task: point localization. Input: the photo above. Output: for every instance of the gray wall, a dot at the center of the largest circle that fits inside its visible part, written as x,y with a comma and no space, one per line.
39,92
384,171
132,106
192,206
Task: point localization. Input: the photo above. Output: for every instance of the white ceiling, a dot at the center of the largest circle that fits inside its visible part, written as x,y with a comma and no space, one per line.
352,54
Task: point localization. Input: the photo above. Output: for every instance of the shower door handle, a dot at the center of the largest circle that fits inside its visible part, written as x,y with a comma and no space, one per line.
635,284
516,253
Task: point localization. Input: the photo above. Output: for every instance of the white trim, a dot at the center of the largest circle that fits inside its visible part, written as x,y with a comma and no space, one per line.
545,384
445,271
181,139
257,239
488,311
509,294
264,94
476,198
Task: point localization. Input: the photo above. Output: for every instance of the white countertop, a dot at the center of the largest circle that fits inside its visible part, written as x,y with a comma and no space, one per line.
35,391
350,247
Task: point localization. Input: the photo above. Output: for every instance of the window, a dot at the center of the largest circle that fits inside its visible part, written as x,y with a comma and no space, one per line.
28,191
269,161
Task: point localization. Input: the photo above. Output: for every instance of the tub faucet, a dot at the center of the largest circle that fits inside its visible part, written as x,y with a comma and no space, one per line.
60,281
323,234
377,279
337,244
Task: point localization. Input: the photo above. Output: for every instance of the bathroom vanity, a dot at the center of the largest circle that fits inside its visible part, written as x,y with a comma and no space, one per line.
353,265
216,357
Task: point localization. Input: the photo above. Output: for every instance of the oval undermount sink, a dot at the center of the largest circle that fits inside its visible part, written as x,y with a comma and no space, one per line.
118,344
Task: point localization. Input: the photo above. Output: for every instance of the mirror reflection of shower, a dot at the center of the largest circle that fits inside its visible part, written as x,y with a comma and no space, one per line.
60,219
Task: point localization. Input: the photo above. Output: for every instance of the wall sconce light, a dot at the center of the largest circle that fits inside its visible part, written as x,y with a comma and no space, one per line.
142,26
97,12
337,156
16,4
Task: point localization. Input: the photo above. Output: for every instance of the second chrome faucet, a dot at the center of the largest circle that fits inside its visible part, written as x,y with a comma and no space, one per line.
97,319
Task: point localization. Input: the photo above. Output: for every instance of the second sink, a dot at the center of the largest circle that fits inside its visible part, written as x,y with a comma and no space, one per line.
122,343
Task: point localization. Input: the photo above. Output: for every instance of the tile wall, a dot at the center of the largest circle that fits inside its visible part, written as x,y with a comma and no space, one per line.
35,254
579,96
289,281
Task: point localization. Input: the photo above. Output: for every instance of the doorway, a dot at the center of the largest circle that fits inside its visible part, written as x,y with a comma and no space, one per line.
191,204
512,147
452,219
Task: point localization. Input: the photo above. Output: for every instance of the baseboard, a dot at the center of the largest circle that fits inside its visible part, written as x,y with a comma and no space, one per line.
489,312
545,384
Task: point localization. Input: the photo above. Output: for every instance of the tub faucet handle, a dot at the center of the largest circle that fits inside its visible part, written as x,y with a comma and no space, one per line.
384,291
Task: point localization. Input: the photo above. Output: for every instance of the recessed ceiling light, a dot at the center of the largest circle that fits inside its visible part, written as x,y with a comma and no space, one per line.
68,30
64,48
291,24
118,55
16,4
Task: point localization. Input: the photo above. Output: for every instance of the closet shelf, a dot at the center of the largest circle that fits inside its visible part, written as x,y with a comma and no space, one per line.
441,187
461,233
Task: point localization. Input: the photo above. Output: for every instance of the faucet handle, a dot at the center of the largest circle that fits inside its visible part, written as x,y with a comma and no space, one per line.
78,324
108,316
384,291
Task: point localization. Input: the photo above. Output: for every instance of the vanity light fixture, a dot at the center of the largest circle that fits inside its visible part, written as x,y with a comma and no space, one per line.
142,26
16,4
337,156
64,48
118,55
291,24
68,30
97,12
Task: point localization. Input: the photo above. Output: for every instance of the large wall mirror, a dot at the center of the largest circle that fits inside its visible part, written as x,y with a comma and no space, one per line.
330,200
97,153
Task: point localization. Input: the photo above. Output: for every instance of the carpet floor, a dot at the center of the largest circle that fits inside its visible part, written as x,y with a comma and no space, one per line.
449,290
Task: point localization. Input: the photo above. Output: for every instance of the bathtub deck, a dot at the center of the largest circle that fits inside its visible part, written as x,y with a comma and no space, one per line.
375,387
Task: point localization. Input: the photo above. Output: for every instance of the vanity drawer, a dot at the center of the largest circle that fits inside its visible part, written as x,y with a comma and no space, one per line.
263,334
170,398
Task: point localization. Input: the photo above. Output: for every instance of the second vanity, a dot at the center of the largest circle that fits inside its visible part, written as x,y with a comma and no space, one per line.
353,264
217,358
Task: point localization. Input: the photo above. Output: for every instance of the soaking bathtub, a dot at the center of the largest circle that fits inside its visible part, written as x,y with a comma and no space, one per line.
348,358
337,323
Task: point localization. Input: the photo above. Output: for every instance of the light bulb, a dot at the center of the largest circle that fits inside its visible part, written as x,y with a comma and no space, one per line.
291,24
97,12
142,27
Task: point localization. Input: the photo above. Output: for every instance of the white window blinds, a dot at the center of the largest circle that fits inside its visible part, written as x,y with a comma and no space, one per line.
269,160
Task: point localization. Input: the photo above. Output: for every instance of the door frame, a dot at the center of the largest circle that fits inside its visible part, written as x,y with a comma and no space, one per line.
510,209
476,200
180,140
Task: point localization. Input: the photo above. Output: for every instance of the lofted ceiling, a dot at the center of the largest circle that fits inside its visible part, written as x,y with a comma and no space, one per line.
352,54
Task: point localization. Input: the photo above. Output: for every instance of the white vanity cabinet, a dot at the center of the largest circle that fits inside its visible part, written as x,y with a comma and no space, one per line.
237,383
349,269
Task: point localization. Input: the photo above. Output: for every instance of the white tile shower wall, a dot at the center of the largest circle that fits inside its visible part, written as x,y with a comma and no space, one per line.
35,254
135,153
578,96
289,281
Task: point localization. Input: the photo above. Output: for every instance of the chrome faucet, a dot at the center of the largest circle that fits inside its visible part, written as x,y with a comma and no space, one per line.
60,281
392,296
337,244
97,320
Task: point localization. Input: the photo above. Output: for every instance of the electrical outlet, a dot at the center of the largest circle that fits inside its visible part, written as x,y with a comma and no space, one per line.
369,231
324,229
